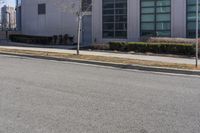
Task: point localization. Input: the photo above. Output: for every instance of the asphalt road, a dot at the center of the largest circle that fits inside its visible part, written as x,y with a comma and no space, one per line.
45,96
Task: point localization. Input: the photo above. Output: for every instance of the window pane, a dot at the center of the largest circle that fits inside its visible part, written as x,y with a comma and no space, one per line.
189,2
192,17
120,11
108,12
163,17
148,18
163,33
120,18
108,18
41,9
147,3
108,34
163,26
147,26
162,9
147,33
108,26
163,3
120,34
192,26
121,26
148,10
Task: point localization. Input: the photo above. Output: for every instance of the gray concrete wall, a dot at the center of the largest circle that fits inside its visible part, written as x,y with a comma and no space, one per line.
59,17
178,18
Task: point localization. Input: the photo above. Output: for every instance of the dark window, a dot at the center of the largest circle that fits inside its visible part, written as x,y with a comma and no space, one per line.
191,18
41,9
115,19
86,5
155,19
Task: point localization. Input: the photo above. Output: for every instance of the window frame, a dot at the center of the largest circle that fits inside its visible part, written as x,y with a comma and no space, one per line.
41,8
114,23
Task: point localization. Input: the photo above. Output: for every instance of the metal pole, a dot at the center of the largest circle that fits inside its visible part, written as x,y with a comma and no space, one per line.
197,32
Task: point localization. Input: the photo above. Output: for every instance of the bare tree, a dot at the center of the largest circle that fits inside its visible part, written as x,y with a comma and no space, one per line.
74,7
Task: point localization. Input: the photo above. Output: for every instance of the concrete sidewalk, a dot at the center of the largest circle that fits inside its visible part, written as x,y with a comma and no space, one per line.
190,61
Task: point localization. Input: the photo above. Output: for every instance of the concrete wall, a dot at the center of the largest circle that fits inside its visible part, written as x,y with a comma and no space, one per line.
59,17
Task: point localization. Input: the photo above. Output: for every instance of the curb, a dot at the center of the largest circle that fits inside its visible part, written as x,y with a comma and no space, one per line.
122,66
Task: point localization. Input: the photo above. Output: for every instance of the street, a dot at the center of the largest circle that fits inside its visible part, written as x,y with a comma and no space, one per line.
46,96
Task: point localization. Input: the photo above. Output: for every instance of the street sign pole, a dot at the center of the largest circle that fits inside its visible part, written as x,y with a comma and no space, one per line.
197,32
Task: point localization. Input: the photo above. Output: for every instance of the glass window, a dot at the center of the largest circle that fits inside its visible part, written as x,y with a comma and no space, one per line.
155,18
41,9
114,18
191,18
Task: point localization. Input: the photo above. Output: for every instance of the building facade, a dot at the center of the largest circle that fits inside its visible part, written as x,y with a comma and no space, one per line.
8,17
110,20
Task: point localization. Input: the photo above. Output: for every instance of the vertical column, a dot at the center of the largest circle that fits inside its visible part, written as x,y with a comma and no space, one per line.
97,21
178,18
133,20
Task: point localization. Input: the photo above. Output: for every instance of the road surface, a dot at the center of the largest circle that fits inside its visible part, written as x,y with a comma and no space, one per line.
46,96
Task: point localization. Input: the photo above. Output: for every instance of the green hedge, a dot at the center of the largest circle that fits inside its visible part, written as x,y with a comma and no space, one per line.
31,39
160,48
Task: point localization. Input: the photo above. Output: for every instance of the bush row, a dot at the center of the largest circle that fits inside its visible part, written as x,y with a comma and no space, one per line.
167,40
41,39
30,39
160,48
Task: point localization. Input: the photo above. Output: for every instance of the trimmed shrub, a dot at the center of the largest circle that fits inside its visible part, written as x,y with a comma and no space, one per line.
167,40
100,47
160,48
55,37
31,39
119,46
60,39
65,39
